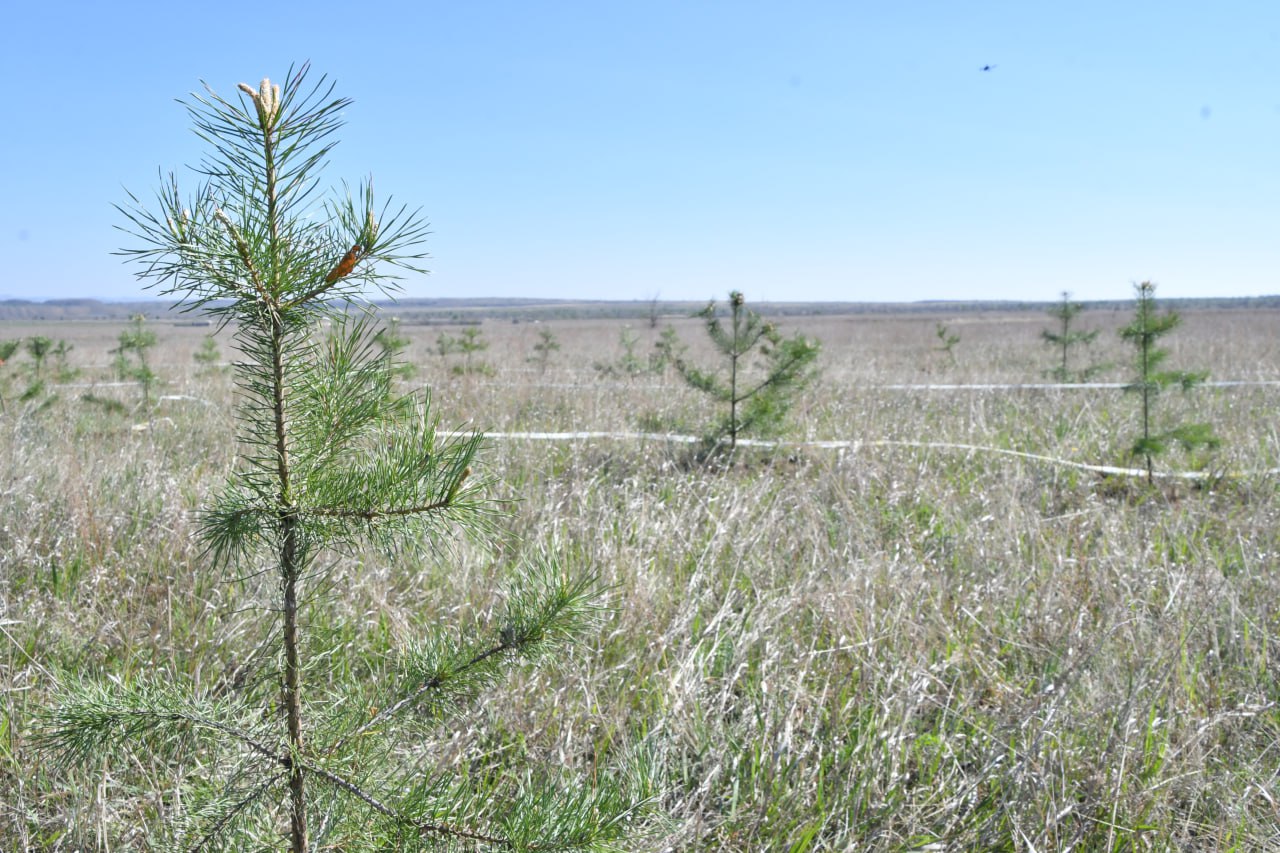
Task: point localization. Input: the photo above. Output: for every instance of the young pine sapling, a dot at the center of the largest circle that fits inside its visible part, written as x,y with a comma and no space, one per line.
393,345
470,342
1143,332
332,459
446,345
543,348
629,364
39,348
207,356
1066,338
756,396
947,341
7,349
668,349
62,362
131,362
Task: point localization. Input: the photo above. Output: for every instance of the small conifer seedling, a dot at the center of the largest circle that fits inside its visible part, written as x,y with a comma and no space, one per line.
446,345
207,356
947,340
62,362
471,342
756,395
39,348
135,342
7,349
393,345
1066,338
629,365
543,348
1146,328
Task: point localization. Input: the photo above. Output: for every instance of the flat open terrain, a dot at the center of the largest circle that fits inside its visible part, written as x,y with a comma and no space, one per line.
917,641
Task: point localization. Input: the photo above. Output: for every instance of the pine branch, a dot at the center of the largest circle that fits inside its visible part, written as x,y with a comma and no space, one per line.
93,719
422,826
545,609
230,814
389,512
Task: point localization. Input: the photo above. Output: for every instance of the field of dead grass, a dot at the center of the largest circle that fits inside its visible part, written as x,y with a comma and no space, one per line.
897,645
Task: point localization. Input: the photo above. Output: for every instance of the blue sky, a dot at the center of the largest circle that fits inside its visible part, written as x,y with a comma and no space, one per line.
799,150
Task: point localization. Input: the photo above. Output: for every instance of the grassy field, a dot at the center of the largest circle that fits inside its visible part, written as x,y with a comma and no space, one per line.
896,645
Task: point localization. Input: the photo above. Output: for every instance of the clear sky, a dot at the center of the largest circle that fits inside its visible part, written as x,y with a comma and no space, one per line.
679,148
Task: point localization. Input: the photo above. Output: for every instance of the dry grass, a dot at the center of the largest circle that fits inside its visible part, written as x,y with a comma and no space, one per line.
881,648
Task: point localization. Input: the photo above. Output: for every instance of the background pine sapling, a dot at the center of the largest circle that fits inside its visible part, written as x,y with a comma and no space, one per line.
332,461
756,394
7,349
35,396
947,340
393,346
1146,328
470,342
630,364
668,349
39,348
131,352
62,362
446,345
543,348
1065,338
207,356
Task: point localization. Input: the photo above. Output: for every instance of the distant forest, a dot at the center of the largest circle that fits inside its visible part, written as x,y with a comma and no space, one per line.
454,311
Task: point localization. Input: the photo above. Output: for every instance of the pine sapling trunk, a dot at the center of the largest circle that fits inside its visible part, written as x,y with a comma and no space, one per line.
289,572
289,557
1065,343
734,355
1145,342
